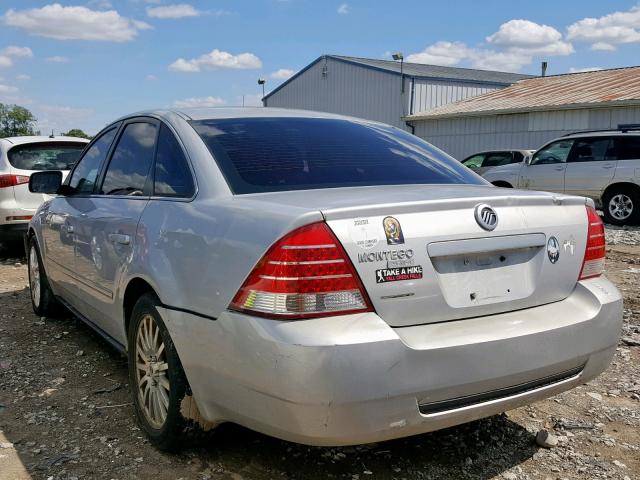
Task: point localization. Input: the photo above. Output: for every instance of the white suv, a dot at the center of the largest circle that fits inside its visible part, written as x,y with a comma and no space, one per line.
19,158
602,165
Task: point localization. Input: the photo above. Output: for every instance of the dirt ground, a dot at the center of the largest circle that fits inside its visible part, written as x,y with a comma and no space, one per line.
65,413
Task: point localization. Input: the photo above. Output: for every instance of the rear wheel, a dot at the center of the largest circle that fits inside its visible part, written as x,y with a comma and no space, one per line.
157,380
43,302
621,206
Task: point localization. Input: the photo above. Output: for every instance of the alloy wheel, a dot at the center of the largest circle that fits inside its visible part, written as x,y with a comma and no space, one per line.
152,368
620,206
34,276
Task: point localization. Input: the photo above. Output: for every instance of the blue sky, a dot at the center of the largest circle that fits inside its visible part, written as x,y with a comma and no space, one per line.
82,64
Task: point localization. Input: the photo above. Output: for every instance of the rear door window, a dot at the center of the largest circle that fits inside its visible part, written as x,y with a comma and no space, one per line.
86,172
172,177
598,149
45,155
128,170
276,154
629,148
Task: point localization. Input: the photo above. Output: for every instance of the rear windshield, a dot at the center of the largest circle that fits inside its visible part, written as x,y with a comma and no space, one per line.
45,156
276,154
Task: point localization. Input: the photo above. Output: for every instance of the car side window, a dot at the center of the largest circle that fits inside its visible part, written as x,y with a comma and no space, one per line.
474,161
556,152
496,159
172,177
596,149
629,148
517,157
128,170
86,172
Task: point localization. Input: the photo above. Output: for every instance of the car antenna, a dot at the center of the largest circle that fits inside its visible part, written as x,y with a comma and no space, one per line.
52,135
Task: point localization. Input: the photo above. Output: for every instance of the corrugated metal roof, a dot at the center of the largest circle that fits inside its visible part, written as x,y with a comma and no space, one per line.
418,70
437,71
560,92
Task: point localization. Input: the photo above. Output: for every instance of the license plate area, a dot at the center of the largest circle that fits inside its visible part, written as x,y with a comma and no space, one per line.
481,278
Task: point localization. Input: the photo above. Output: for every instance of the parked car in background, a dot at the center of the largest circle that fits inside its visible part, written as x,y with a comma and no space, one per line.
322,279
19,158
602,165
483,161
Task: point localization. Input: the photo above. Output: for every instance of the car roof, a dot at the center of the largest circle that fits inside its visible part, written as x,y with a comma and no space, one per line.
503,150
210,113
42,138
602,133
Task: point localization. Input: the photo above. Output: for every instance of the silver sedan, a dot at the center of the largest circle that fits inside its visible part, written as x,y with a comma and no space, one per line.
321,279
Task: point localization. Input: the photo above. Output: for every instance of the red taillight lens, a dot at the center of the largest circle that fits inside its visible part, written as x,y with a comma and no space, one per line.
12,180
305,274
593,263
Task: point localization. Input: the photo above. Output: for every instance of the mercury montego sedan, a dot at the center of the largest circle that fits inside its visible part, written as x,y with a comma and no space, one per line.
322,279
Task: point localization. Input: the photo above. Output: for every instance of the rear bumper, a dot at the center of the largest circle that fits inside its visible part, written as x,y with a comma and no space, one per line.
353,379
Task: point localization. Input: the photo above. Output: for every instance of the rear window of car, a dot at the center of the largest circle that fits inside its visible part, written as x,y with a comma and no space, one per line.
277,154
45,156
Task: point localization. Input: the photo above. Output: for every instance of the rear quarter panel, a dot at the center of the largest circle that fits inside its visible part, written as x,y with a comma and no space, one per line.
197,254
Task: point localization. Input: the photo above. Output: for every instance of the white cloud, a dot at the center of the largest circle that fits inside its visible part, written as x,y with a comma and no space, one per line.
603,46
216,59
57,59
515,44
180,10
74,23
344,9
584,69
529,38
441,53
199,102
13,51
607,31
22,77
7,89
8,54
150,78
282,74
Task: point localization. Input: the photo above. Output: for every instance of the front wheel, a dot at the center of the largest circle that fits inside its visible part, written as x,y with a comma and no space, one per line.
43,301
621,206
157,380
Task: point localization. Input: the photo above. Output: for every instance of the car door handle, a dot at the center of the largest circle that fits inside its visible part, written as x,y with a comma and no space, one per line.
120,238
560,168
608,165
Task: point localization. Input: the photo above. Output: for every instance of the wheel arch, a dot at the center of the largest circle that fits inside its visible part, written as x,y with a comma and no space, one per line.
616,185
136,287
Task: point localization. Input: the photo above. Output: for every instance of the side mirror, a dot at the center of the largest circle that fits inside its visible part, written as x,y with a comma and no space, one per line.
45,182
527,160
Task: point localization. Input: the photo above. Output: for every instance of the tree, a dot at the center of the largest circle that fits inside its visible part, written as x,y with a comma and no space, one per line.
76,132
16,120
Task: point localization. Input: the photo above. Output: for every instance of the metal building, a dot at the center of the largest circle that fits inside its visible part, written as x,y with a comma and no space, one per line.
381,90
532,112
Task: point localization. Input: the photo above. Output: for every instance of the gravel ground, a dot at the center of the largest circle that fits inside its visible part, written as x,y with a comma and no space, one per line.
65,413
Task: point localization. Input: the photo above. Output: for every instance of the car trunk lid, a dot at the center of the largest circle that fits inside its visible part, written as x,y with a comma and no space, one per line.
426,260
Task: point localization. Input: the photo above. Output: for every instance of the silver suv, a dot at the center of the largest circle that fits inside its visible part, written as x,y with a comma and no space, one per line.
602,165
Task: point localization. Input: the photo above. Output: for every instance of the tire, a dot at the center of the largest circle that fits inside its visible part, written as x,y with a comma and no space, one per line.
621,206
43,301
159,388
502,184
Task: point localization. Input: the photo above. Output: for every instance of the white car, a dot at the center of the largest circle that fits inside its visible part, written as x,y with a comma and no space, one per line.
19,158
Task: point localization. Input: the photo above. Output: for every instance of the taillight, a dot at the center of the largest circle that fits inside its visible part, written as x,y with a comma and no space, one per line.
593,263
12,180
305,274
